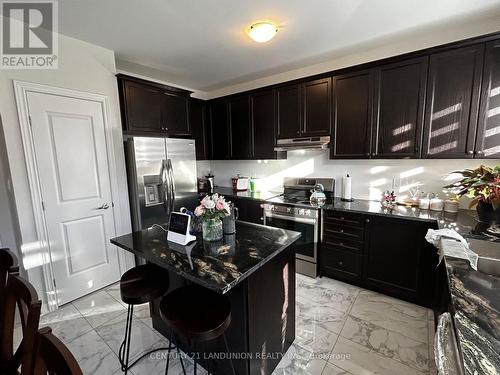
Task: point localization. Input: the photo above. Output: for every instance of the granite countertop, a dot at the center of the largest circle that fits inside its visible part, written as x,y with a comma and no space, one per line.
476,305
464,221
259,195
215,265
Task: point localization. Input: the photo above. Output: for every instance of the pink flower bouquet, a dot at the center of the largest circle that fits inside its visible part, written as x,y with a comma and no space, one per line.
212,207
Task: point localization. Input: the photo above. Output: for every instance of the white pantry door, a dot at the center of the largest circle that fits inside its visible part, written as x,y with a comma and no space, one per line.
70,148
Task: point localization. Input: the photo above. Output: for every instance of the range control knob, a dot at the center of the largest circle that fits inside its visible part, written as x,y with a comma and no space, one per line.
301,211
308,212
288,209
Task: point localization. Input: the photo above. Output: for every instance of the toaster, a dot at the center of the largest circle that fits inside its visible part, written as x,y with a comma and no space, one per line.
240,183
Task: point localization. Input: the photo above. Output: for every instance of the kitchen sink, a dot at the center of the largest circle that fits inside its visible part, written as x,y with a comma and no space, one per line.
490,266
489,256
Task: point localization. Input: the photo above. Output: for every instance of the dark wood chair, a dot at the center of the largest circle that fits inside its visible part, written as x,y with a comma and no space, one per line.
197,314
21,296
53,357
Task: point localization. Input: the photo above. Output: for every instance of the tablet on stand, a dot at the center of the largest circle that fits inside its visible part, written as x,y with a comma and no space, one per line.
178,229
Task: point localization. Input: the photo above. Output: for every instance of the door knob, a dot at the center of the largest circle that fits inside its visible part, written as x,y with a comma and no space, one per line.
104,206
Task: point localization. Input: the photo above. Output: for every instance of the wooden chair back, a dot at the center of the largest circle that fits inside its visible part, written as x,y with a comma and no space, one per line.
8,265
53,357
18,295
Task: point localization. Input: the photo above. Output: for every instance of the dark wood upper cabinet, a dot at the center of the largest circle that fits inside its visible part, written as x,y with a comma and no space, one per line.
241,140
488,130
289,111
198,126
175,114
141,107
352,111
399,104
452,102
263,124
219,130
152,107
316,107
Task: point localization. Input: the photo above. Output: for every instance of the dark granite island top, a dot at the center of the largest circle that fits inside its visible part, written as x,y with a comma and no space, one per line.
475,298
215,265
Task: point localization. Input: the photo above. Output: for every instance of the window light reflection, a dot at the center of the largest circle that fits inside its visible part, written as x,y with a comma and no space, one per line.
454,108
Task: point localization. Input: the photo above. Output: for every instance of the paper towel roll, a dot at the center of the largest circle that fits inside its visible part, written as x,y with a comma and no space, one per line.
346,188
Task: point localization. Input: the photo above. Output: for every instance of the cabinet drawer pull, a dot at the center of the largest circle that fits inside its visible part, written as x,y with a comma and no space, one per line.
341,231
341,245
346,220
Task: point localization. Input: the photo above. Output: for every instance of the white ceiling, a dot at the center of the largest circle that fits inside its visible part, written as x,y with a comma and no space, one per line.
201,44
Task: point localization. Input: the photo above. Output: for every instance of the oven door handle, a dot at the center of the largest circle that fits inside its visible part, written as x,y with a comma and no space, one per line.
292,218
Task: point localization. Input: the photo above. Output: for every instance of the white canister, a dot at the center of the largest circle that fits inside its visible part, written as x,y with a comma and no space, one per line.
436,204
423,203
451,206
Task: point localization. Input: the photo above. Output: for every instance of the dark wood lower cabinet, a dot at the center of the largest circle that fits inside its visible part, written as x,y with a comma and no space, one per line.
249,210
395,262
388,255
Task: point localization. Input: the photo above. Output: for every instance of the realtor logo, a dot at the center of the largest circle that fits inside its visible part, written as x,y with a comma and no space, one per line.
29,34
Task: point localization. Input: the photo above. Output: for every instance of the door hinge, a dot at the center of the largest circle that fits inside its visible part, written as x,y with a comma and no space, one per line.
112,204
54,281
43,206
29,120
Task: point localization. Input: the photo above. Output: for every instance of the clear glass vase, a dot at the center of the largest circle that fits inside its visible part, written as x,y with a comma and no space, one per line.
212,229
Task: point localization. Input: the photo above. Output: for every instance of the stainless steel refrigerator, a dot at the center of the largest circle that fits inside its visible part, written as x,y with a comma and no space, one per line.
161,176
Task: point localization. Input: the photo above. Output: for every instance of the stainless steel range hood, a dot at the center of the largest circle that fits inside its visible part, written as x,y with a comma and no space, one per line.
303,143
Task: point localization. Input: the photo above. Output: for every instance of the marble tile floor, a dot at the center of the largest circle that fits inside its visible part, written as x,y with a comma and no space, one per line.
341,329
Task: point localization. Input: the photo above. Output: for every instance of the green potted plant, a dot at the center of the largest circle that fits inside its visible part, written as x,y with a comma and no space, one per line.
482,185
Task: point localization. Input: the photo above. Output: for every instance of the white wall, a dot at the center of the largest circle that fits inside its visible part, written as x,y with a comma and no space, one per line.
83,67
10,236
369,177
370,51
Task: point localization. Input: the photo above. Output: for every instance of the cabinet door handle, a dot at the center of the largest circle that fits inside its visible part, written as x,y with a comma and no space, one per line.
367,220
341,263
479,152
470,152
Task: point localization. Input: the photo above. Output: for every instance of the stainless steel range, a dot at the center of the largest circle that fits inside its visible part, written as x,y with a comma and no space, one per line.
292,210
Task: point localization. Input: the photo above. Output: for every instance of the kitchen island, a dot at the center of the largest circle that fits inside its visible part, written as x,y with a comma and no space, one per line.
254,268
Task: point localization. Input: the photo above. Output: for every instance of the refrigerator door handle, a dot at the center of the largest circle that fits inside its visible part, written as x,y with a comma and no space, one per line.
165,180
170,172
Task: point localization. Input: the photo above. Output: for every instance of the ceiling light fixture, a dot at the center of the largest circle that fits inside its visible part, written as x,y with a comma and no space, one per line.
262,31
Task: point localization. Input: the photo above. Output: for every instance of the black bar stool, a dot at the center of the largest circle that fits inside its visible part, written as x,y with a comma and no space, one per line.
139,285
198,314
